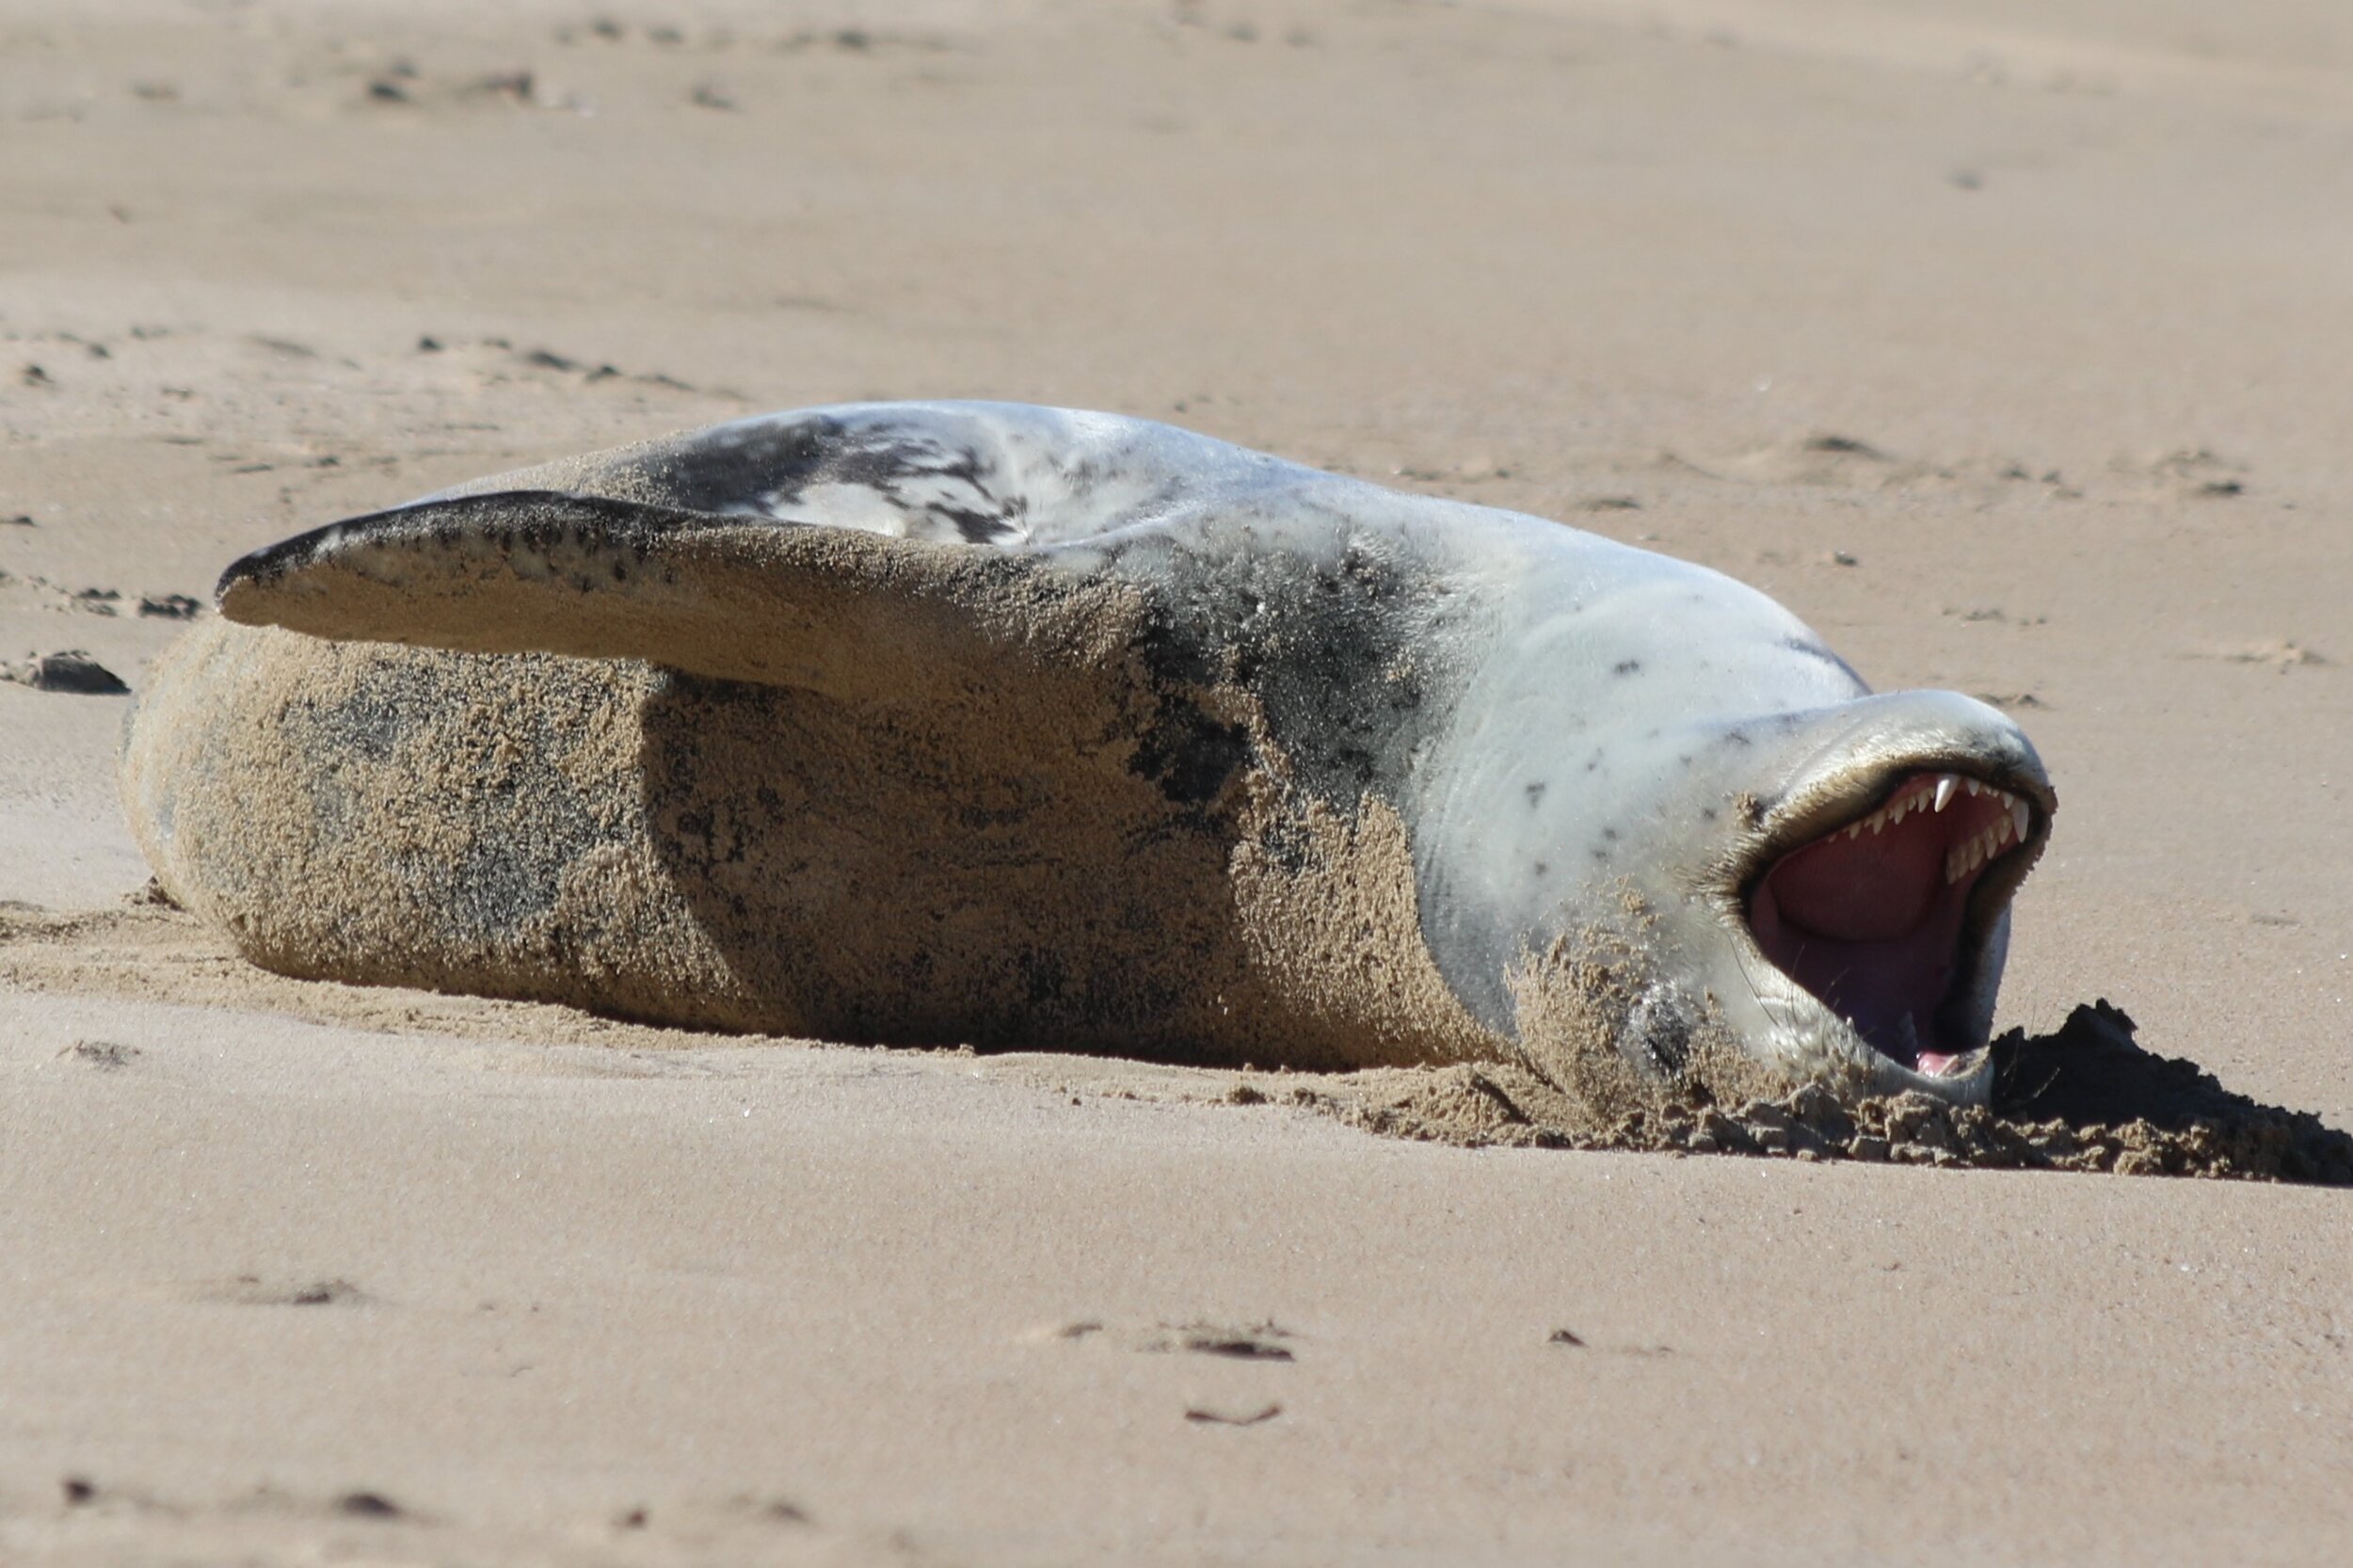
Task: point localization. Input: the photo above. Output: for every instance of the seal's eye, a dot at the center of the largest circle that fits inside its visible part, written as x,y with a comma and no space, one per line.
1871,916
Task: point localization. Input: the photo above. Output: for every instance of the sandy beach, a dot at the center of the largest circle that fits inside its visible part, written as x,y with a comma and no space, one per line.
2005,342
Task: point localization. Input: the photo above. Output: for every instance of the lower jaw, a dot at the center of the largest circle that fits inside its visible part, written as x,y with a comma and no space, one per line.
1897,995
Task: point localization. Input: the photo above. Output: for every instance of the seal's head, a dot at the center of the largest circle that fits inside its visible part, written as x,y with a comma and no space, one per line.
1663,775
1865,905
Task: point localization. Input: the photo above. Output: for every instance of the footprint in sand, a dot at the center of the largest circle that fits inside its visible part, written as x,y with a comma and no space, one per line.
1255,1342
253,1290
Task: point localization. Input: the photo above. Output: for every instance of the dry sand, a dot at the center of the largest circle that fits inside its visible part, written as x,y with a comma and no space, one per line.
2004,341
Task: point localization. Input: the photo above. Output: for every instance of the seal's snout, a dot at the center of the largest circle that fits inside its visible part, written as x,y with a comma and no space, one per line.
1874,917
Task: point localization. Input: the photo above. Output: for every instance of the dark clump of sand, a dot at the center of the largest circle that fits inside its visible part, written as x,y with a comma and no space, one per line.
2083,1097
73,672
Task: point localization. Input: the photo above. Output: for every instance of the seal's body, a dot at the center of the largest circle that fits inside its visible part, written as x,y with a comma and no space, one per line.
967,722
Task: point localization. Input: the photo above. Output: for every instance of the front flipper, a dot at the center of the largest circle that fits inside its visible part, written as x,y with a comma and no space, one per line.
821,548
835,610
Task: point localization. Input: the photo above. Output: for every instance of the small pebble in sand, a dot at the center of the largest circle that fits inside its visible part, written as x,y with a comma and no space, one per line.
368,1505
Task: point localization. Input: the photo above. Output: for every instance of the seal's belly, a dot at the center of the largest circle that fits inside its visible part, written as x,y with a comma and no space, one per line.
1015,867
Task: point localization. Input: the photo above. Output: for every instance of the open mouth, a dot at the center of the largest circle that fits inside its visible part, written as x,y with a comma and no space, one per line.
1874,918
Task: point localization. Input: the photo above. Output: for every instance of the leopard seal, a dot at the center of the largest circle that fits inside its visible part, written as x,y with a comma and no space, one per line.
930,722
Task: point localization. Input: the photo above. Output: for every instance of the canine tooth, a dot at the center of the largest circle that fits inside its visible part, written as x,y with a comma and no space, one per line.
2020,818
1945,785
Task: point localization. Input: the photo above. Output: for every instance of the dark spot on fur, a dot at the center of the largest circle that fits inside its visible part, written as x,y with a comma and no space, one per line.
1535,794
1626,667
1188,754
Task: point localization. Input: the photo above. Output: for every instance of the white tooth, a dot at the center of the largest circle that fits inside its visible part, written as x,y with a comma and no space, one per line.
1895,812
2020,818
1945,785
1876,821
1972,784
1952,867
1975,853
